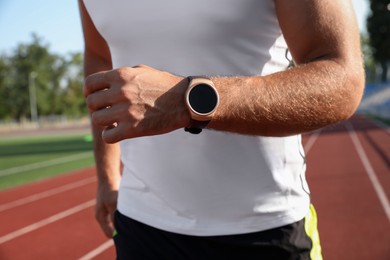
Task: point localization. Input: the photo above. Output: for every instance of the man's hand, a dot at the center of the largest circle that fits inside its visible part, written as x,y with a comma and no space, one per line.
106,200
137,101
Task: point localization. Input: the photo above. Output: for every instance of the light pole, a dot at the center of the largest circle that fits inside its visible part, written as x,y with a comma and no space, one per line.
33,97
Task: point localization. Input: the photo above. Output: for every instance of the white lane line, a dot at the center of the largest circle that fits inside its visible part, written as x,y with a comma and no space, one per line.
309,144
370,171
98,250
46,221
45,194
38,165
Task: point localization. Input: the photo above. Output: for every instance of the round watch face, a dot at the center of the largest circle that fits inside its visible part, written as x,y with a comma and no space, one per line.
203,98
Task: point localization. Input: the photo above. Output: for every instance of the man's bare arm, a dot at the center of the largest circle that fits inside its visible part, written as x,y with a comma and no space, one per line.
324,88
107,156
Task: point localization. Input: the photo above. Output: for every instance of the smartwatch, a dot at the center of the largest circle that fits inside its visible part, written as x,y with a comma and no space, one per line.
201,100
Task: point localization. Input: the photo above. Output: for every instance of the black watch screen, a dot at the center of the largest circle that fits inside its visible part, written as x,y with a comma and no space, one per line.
203,98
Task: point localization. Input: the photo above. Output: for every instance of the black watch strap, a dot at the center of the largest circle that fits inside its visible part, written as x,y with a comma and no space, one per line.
196,127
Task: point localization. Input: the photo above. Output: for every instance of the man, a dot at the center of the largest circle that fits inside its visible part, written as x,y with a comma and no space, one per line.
209,128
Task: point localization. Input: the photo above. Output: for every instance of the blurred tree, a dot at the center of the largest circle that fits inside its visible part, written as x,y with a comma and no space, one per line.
369,62
33,59
58,82
378,27
3,88
72,95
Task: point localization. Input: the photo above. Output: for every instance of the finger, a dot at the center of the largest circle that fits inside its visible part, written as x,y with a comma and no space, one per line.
109,115
112,208
104,220
103,117
95,82
98,100
115,134
108,228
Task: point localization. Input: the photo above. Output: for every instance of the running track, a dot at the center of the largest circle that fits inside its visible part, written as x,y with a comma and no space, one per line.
348,172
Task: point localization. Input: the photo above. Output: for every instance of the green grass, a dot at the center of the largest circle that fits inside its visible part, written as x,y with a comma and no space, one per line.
26,159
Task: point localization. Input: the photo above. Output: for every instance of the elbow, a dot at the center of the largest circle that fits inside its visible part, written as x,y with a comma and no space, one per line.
352,93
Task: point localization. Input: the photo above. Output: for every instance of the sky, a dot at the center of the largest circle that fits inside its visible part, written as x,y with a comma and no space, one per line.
57,22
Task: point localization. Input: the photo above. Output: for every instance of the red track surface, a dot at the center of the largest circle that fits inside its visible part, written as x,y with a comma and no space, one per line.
348,172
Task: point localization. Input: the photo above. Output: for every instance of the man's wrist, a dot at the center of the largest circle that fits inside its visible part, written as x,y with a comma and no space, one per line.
201,100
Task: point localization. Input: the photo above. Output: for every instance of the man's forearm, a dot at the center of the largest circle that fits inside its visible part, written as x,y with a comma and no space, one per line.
301,99
107,158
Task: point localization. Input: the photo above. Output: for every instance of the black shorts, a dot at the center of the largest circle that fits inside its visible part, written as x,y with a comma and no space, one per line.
137,241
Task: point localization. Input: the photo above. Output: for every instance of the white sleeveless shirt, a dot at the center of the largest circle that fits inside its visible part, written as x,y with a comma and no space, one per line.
214,183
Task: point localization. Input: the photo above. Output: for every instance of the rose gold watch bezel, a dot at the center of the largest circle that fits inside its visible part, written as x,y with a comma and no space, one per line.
194,114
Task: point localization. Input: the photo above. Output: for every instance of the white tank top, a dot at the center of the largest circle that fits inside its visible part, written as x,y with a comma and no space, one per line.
214,183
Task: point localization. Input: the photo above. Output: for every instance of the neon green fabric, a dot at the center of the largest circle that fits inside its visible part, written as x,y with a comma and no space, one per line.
312,232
